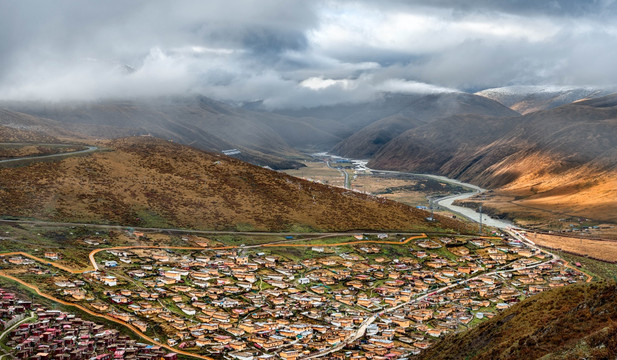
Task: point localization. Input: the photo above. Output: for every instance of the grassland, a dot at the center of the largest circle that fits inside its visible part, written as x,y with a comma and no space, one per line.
600,270
151,182
318,171
407,189
603,250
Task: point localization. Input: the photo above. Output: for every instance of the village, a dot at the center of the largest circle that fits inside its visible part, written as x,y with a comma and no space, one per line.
265,302
54,334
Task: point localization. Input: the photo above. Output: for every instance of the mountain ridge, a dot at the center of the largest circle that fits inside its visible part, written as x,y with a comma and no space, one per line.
556,155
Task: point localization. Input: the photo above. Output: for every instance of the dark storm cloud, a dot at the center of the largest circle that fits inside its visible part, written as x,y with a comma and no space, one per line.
559,8
299,53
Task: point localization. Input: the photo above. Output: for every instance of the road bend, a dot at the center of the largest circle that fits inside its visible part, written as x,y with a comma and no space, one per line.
89,149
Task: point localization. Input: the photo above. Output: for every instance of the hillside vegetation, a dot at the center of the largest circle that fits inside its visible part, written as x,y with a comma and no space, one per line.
573,322
151,182
563,159
19,127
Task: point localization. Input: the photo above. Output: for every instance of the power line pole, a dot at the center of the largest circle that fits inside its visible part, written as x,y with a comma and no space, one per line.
432,210
480,219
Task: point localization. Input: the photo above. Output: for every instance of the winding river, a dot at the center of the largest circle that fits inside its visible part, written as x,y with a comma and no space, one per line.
448,201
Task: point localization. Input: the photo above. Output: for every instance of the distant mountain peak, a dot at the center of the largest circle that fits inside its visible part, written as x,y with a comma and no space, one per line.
529,98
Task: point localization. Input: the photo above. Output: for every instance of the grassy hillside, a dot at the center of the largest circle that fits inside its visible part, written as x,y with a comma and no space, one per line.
562,160
151,182
574,322
13,135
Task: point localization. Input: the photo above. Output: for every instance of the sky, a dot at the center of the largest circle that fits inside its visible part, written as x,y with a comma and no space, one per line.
290,54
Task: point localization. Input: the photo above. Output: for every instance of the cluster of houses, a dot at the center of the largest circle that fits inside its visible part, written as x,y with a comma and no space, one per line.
12,309
246,304
53,334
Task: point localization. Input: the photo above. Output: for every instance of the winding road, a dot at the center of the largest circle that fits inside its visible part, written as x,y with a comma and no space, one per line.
471,214
423,295
39,157
91,257
189,231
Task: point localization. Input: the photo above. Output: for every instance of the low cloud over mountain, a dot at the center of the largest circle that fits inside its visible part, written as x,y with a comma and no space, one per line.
309,54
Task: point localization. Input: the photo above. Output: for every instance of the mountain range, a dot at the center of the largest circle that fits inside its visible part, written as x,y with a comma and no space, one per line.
262,138
562,158
546,147
160,164
528,99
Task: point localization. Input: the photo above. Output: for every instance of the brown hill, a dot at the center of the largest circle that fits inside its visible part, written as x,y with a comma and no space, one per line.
573,322
13,135
151,182
366,142
443,146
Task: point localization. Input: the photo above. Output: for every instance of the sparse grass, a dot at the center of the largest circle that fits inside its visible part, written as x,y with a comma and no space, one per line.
149,218
598,269
445,253
605,250
184,188
237,240
66,241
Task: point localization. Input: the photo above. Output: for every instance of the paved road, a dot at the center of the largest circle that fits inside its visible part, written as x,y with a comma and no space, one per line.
347,183
32,317
353,337
190,231
88,150
131,327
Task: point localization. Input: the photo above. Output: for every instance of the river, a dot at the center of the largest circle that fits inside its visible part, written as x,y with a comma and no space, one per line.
447,201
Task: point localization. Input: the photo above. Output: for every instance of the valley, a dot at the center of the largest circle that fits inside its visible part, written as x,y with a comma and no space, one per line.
161,286
337,180
206,256
424,191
